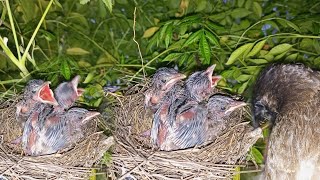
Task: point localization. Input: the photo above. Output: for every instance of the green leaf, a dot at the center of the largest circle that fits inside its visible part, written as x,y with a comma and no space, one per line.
172,57
248,4
168,37
193,38
201,5
240,3
108,4
269,57
243,87
164,29
238,52
77,51
65,70
243,77
257,9
290,24
84,1
205,49
150,32
190,18
258,61
258,157
215,26
212,38
240,13
292,57
256,48
316,45
183,59
89,77
279,56
279,49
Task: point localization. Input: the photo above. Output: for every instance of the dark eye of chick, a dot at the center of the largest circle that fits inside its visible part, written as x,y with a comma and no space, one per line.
163,80
223,108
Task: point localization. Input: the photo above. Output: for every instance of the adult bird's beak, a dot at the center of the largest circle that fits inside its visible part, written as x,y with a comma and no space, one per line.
234,106
45,94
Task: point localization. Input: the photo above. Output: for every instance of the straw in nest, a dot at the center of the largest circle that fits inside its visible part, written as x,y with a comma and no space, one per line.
133,155
73,163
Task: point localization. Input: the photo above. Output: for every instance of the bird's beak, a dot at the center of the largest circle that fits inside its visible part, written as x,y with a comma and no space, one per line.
80,91
175,79
90,115
214,79
45,94
75,81
234,106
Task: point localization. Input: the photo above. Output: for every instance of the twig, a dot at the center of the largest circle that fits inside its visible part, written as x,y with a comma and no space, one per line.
138,166
134,39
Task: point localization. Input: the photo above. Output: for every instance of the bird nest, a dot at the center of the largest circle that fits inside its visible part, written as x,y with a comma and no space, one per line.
134,157
75,162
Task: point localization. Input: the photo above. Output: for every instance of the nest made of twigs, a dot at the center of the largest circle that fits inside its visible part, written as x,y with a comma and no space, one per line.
75,162
133,155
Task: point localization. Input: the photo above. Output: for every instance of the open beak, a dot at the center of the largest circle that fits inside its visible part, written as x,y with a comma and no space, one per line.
45,94
75,81
234,106
214,79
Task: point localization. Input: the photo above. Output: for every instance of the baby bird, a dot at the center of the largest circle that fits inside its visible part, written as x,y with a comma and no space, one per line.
47,132
36,92
200,85
165,81
68,92
220,109
187,112
288,95
166,87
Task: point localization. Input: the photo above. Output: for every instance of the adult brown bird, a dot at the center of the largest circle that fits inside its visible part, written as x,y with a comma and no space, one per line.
289,97
35,92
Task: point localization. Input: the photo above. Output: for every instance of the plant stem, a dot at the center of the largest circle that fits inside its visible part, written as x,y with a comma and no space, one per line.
24,56
13,29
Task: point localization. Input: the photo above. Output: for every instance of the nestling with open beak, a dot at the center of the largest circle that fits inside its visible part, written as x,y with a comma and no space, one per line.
187,115
67,93
36,92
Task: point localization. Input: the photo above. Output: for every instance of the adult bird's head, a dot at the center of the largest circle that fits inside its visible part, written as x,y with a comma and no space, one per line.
200,84
162,82
68,92
222,106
